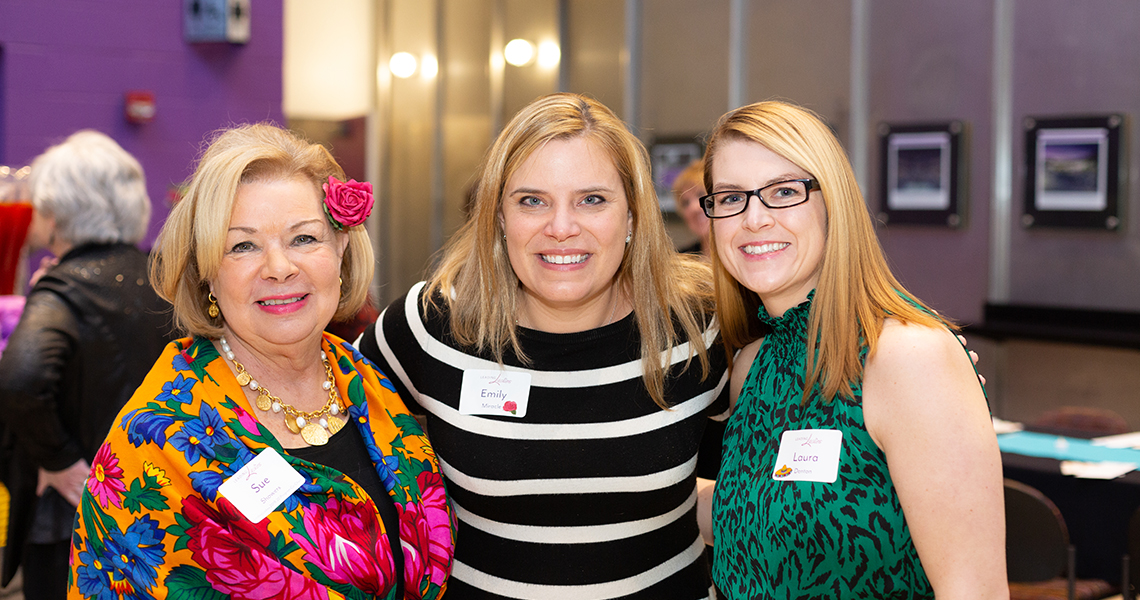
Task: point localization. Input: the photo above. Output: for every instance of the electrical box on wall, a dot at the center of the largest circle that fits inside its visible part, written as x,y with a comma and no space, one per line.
215,21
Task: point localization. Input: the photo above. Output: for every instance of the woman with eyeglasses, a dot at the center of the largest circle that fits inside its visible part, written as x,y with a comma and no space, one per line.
562,353
860,460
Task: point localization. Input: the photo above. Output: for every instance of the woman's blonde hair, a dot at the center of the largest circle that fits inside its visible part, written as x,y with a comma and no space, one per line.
190,247
856,290
477,283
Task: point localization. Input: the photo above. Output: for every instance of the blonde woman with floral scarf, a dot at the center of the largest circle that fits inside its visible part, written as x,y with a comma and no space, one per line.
262,457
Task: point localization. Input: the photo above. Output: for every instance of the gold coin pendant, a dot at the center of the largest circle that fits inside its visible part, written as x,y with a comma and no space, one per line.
243,378
315,435
291,423
335,424
263,401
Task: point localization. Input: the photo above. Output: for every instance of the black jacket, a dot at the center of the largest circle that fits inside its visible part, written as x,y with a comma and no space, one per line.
91,329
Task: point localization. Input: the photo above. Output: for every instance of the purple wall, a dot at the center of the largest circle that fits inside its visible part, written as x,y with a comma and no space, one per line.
66,65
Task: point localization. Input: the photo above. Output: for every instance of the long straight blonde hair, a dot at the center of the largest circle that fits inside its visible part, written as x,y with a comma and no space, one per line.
856,290
477,283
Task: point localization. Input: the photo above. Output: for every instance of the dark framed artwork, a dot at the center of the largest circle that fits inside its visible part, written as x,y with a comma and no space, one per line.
1073,172
921,174
668,157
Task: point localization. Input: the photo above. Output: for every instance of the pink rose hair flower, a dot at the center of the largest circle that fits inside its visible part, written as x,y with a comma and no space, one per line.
347,204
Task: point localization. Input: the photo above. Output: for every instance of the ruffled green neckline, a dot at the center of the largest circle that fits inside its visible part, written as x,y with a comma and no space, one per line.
793,316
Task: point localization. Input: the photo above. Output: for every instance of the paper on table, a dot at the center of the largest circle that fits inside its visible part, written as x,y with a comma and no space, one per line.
1096,470
1123,440
1003,426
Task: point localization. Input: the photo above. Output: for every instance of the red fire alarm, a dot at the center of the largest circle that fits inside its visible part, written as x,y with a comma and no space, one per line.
139,106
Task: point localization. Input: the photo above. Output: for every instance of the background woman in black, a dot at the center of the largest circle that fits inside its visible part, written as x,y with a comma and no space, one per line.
91,328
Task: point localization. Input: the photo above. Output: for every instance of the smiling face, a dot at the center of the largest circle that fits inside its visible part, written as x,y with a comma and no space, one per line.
776,253
278,282
566,217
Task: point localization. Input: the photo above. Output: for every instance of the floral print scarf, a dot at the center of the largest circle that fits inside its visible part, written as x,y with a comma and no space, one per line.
153,524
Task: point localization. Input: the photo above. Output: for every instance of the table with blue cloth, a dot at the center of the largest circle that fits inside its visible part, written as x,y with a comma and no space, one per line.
1096,511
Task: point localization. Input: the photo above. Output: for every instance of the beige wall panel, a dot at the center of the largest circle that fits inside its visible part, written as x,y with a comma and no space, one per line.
596,45
684,66
535,21
467,102
412,129
801,51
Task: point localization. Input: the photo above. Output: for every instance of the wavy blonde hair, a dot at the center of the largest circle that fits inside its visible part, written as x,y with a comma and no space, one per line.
475,279
190,247
856,289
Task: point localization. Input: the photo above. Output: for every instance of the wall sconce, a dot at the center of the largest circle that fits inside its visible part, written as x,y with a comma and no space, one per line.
549,54
402,65
520,53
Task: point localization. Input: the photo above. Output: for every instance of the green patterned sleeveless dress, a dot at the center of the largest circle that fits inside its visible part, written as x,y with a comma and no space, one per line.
803,539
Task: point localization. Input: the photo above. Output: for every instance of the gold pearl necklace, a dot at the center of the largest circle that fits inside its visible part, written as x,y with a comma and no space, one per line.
314,427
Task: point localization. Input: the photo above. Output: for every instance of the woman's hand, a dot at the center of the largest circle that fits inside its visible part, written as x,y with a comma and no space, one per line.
46,263
973,357
923,407
68,482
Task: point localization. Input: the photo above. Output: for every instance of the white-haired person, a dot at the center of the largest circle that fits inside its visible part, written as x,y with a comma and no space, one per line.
91,327
860,460
561,353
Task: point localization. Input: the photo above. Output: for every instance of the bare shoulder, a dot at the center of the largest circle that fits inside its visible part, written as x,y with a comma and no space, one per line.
918,377
741,364
906,346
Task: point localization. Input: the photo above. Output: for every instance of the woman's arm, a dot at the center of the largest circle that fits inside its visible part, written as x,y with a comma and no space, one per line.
924,408
32,378
705,487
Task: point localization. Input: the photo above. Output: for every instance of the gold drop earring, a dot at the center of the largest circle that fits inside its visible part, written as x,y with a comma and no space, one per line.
213,309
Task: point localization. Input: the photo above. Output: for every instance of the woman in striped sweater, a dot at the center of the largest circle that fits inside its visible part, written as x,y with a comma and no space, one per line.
562,352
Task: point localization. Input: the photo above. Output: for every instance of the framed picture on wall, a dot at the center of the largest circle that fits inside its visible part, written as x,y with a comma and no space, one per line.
921,174
1073,172
668,157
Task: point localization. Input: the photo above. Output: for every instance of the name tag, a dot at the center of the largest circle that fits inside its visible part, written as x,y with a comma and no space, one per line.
261,485
488,392
809,455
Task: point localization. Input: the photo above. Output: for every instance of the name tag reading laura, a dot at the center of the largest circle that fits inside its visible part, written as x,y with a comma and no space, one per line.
261,485
490,392
809,455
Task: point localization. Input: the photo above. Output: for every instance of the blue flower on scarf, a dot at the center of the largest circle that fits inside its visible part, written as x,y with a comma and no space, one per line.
198,437
206,483
127,566
93,577
146,426
179,390
138,552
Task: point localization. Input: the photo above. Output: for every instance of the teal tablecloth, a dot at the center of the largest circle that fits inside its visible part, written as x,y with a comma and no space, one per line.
1063,448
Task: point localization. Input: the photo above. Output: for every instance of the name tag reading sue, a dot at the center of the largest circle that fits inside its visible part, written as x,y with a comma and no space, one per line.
809,455
261,485
490,392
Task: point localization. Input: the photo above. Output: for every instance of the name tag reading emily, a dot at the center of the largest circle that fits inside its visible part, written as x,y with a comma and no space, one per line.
490,392
809,455
261,485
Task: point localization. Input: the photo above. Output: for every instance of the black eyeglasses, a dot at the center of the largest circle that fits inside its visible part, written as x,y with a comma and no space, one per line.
782,194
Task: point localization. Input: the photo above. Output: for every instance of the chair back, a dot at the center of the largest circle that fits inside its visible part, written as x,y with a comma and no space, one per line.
1132,566
1036,538
1081,421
